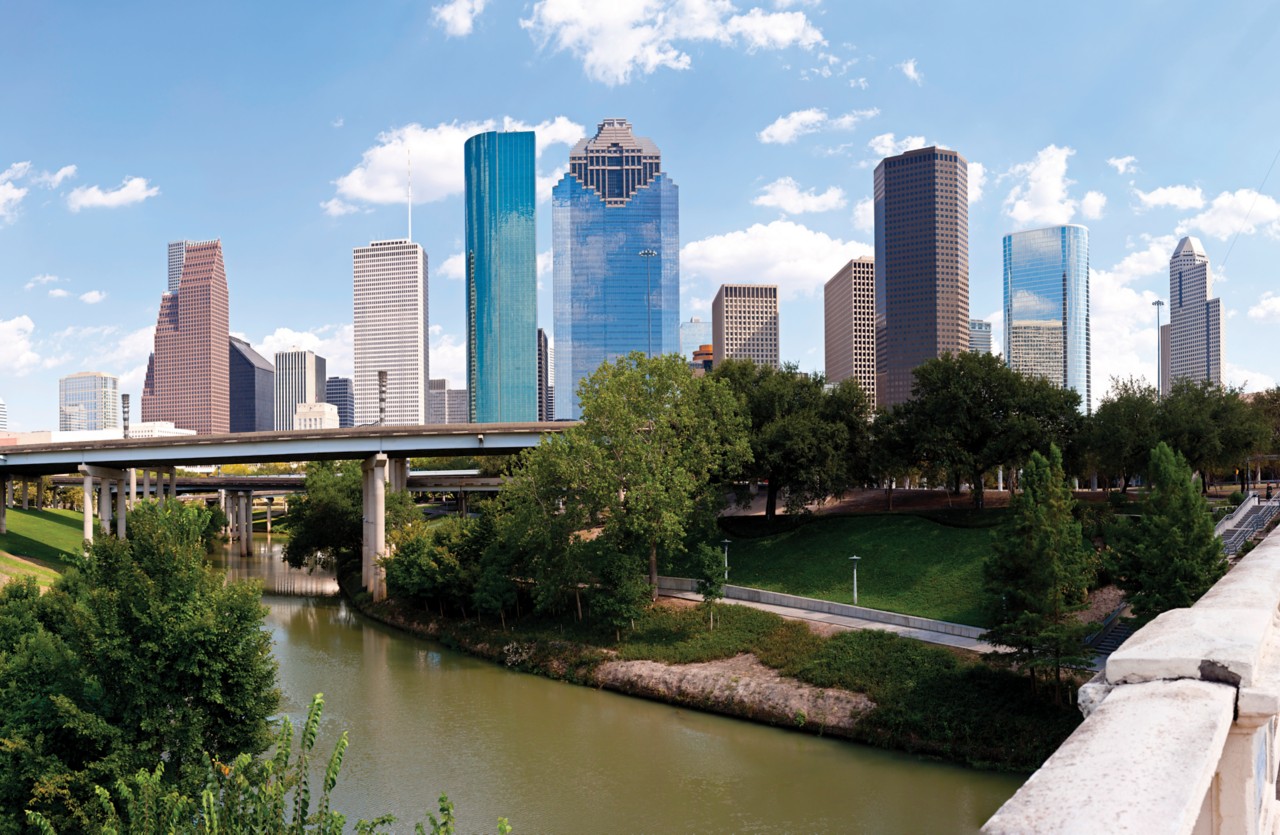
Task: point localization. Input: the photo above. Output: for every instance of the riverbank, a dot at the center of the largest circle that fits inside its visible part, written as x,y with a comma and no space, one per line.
870,687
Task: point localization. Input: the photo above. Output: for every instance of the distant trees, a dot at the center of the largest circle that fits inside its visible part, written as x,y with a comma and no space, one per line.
1212,427
1124,430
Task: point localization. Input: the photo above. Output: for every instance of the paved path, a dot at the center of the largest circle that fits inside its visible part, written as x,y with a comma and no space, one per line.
845,622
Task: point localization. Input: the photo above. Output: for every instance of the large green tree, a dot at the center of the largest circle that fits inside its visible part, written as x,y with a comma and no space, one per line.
1038,577
1124,429
808,439
1211,426
1168,556
143,655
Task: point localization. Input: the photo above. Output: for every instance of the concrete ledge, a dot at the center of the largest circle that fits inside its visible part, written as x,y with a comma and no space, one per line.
810,604
1142,762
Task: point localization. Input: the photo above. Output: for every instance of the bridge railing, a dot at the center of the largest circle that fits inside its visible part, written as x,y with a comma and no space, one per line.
1180,727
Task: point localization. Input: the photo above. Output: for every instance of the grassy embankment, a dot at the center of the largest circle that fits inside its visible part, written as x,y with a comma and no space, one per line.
928,565
40,543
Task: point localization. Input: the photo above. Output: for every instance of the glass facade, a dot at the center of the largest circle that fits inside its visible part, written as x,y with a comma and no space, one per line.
609,300
1046,306
341,392
252,389
502,278
88,401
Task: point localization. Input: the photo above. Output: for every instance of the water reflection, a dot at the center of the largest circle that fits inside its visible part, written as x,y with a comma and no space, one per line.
265,563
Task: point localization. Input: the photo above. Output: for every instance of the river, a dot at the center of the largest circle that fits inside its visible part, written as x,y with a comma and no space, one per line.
561,758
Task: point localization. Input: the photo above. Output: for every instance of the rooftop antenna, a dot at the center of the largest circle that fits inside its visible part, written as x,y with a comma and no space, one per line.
409,158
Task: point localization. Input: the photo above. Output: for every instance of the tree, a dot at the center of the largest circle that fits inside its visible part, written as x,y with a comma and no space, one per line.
1039,574
1169,556
1266,404
806,440
144,654
1210,426
1124,429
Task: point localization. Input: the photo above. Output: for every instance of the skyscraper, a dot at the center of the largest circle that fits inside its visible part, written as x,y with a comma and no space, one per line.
1195,320
300,378
744,323
341,393
252,389
1046,306
4,416
437,400
849,325
502,277
546,377
922,264
693,334
88,400
390,302
615,236
188,374
979,336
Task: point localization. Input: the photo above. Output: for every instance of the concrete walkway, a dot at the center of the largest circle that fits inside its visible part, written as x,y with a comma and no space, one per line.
845,622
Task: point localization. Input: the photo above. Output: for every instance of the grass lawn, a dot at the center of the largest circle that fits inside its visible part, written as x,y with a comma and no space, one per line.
43,539
910,564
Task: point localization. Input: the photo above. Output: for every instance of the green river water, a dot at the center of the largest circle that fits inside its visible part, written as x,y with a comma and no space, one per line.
561,758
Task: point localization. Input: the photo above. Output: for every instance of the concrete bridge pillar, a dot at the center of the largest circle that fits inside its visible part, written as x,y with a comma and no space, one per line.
88,507
104,505
40,493
462,503
120,509
366,535
374,545
146,485
26,490
246,529
173,483
270,501
4,506
133,487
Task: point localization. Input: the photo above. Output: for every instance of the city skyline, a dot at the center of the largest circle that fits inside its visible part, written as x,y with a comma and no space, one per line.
301,157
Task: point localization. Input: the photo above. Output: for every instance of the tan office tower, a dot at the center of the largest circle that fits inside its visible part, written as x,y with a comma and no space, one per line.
188,375
1191,348
744,323
849,325
391,331
922,265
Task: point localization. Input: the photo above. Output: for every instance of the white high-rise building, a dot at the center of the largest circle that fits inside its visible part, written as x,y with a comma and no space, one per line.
849,325
4,416
391,331
744,323
300,378
979,336
1194,337
315,416
89,400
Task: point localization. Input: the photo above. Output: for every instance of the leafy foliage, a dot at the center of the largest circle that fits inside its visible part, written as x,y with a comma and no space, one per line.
1210,426
1124,429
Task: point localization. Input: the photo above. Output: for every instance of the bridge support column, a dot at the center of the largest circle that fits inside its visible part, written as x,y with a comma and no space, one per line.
8,491
120,509
146,485
88,507
26,491
270,501
462,503
104,505
173,483
246,524
133,487
377,573
366,535
4,506
40,493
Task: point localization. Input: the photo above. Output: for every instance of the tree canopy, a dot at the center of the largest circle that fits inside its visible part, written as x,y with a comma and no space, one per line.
1124,429
1210,426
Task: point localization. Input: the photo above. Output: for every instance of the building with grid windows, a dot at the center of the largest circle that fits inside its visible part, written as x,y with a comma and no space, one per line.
615,236
342,394
979,336
315,416
89,400
921,203
849,325
546,376
1046,306
300,378
502,277
252,389
693,335
744,324
188,373
1191,343
390,300
4,416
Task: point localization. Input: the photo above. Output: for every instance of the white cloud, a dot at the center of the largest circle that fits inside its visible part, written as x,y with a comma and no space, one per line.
546,183
437,159
92,297
1123,165
10,196
1267,309
544,266
885,145
1238,377
333,342
864,215
20,357
448,357
1092,204
457,17
132,190
859,83
911,71
977,181
338,122
1244,210
44,178
58,293
787,129
615,41
40,279
785,194
996,319
1179,197
454,267
797,259
16,171
1041,197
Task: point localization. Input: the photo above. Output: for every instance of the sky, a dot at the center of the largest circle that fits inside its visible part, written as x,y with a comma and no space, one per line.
284,130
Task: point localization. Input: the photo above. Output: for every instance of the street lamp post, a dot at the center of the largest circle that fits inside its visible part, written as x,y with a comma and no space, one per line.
646,254
725,543
855,559
1157,304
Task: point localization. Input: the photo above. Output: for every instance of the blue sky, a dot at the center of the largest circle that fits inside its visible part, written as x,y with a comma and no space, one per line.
283,129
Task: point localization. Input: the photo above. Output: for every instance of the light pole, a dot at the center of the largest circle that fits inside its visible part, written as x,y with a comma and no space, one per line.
646,254
1157,304
725,543
855,559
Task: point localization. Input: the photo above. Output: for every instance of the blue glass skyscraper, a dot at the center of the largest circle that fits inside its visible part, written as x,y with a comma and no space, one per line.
615,227
1046,306
502,278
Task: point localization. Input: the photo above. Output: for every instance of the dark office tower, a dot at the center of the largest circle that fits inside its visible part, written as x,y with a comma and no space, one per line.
615,237
187,376
341,392
546,373
253,389
502,277
922,265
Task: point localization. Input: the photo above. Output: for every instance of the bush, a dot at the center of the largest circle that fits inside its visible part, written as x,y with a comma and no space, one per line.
1236,499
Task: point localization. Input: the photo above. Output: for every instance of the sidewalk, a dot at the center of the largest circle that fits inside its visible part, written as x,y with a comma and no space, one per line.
845,622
